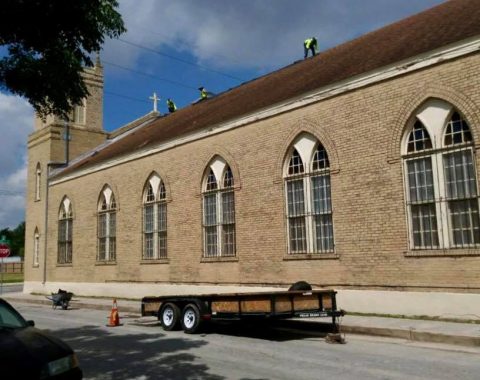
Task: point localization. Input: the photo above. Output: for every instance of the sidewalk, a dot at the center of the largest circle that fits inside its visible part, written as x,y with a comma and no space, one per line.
465,334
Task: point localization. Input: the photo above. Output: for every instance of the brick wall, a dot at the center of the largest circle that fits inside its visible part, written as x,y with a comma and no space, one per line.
361,131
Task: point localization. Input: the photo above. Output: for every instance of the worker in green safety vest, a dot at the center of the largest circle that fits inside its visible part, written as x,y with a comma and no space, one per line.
171,105
203,93
310,44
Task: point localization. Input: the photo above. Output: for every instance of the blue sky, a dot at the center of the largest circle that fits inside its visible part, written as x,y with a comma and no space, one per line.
212,43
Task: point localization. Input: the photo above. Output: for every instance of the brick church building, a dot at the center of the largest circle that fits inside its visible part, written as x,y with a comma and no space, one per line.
354,169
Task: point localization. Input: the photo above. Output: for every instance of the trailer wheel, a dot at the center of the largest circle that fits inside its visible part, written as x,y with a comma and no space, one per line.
300,285
191,319
170,316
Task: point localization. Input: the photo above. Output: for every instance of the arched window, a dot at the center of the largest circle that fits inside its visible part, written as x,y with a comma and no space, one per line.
65,228
78,114
36,247
219,210
308,199
440,175
107,226
154,219
38,177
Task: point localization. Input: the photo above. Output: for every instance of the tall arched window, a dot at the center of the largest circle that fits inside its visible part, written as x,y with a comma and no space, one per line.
38,177
154,219
65,228
308,199
440,175
107,226
219,210
36,247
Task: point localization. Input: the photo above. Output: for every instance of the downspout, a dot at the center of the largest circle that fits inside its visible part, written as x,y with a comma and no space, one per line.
49,165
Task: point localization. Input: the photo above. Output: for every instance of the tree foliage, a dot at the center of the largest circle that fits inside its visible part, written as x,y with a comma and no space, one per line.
46,45
16,238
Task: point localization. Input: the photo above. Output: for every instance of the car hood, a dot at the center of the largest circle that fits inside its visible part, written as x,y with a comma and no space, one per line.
28,349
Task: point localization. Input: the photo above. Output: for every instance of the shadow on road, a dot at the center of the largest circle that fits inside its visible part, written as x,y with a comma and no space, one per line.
276,331
105,355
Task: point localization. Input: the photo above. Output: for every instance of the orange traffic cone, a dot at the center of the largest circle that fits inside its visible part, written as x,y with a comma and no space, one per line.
114,319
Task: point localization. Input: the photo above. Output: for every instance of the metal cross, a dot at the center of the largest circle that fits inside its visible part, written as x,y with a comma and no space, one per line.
155,100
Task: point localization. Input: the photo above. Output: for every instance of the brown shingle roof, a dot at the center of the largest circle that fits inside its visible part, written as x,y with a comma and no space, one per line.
444,24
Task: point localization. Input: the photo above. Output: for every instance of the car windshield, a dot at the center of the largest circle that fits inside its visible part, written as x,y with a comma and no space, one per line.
9,318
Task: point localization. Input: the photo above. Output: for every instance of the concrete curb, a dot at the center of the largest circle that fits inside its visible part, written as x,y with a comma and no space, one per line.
413,335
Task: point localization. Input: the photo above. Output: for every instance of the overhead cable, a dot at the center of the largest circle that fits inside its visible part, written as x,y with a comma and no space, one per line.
179,59
150,75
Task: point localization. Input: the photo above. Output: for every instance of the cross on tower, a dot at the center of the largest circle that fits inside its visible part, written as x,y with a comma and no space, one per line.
155,99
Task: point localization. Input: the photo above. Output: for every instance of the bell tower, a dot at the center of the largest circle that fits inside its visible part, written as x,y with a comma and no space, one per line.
54,143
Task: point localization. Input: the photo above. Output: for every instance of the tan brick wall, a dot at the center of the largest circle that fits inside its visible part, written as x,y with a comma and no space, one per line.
47,145
360,131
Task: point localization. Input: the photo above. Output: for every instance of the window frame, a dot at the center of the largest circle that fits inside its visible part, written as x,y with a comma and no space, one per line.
305,149
156,200
437,152
106,230
224,228
65,234
36,248
38,179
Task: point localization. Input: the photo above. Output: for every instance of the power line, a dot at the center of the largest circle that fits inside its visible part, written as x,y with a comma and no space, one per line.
126,97
179,59
165,35
150,75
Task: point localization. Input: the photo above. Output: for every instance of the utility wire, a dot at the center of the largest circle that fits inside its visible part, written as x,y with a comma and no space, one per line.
150,75
126,97
167,35
179,59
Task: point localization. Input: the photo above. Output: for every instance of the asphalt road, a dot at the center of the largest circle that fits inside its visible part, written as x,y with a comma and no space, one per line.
141,350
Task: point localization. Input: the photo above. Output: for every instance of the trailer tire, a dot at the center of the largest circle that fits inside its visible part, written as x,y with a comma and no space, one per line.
170,316
300,285
191,319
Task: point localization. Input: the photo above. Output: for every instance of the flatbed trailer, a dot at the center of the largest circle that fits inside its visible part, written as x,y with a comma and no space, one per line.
190,311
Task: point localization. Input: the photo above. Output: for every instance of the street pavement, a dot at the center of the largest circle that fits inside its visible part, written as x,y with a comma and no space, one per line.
420,330
140,349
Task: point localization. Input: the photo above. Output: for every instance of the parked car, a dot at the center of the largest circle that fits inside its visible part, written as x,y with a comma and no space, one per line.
29,353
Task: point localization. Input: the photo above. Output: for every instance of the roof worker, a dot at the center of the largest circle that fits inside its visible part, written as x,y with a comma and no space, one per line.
203,93
171,106
310,44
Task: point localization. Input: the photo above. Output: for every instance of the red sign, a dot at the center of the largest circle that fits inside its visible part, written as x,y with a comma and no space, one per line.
4,250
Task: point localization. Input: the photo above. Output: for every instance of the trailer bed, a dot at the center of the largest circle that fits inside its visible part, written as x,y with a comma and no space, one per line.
248,305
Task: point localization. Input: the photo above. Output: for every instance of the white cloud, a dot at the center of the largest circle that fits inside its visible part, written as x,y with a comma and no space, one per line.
16,122
254,34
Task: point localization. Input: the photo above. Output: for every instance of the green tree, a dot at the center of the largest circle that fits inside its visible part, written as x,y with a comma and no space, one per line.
47,43
16,238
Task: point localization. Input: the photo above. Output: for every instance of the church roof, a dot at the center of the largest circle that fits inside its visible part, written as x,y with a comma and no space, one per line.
434,28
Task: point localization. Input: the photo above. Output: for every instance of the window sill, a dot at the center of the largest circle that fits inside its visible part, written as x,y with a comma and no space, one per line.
102,263
65,265
219,259
154,261
36,266
444,252
311,256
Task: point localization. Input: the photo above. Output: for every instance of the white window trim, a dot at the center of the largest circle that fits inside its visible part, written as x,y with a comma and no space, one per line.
38,177
306,146
436,153
219,168
36,248
156,182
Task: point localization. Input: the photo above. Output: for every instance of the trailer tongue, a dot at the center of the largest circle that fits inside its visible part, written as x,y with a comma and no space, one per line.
190,311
